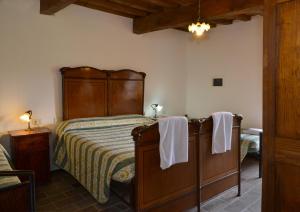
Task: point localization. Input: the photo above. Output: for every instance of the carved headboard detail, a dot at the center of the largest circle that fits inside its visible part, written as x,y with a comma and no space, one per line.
90,92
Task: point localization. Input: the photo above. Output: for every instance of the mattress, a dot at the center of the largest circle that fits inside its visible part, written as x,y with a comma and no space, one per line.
98,150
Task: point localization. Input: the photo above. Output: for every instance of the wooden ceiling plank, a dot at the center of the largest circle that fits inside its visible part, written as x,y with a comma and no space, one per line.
109,6
140,5
210,10
50,7
163,3
185,2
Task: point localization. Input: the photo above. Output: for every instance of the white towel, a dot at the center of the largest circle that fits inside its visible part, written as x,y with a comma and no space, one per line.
222,132
173,146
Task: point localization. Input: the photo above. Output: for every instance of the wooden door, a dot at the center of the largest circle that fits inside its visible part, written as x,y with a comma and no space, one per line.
281,176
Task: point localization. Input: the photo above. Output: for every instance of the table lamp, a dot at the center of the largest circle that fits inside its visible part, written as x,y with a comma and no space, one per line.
26,117
156,108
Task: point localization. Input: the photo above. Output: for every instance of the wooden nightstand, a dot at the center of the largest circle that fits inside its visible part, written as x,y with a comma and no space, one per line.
30,151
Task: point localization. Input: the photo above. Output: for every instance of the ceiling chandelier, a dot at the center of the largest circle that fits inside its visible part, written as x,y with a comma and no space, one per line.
198,28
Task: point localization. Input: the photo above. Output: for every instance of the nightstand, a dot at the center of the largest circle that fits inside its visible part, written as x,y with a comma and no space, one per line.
30,151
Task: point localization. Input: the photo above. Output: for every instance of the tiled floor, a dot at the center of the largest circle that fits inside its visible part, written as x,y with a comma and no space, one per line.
63,193
250,201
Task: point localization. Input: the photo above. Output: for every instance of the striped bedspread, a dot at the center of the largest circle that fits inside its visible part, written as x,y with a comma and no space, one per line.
97,150
5,166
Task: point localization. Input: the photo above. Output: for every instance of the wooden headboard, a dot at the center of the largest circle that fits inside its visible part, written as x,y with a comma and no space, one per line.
90,92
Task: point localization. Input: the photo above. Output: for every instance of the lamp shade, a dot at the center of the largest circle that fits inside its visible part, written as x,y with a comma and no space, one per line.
26,116
159,108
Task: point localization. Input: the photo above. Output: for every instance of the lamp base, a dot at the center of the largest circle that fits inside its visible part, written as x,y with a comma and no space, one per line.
29,127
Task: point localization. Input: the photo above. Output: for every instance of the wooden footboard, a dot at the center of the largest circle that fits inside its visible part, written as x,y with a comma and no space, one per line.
173,189
218,172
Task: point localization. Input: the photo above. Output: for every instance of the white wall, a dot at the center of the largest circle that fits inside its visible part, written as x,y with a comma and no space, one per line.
234,53
34,47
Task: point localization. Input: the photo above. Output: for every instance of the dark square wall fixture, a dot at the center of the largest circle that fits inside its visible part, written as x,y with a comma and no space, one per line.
218,82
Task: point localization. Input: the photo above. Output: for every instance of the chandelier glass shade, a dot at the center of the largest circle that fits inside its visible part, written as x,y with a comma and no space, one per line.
198,28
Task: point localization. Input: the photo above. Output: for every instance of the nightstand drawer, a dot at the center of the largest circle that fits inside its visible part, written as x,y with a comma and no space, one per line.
32,143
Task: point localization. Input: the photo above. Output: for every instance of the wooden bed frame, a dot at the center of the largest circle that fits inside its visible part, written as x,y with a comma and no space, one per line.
90,92
23,193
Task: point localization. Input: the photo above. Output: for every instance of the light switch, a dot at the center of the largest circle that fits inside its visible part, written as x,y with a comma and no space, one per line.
218,82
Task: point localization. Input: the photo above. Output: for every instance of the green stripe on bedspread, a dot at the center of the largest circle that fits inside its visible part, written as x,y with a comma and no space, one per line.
94,150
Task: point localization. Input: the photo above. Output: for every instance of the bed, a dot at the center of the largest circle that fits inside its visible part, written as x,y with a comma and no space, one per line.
112,101
98,150
250,144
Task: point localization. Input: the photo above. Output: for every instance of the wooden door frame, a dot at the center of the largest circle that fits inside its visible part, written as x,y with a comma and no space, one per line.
269,102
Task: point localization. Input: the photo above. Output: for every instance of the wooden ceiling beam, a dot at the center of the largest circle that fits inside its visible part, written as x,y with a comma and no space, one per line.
140,5
163,3
95,7
184,29
111,7
211,10
243,17
222,21
174,18
49,7
185,2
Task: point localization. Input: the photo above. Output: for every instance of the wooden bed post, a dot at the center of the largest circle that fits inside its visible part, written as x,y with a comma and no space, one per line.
197,124
239,164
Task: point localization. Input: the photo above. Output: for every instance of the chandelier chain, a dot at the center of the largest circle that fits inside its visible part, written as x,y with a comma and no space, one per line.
198,10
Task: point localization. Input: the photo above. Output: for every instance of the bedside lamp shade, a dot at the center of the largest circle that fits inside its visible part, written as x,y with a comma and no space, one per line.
26,117
159,108
156,108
